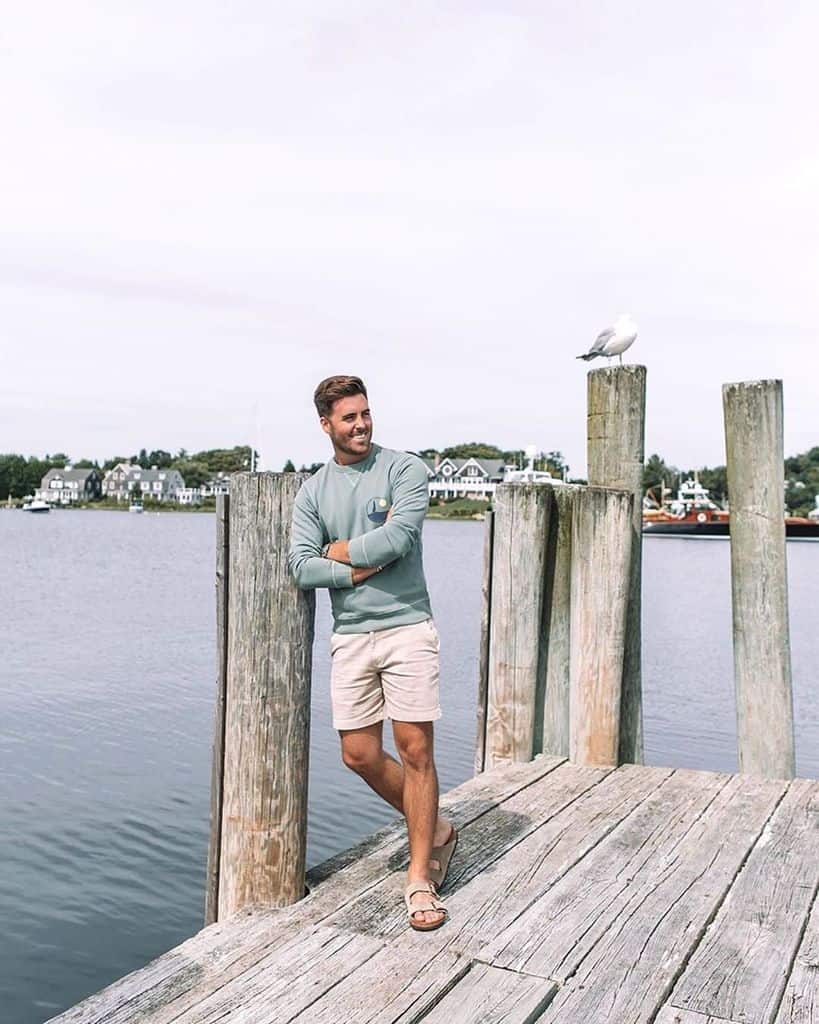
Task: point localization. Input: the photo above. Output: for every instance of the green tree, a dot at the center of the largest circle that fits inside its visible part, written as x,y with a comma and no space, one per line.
289,467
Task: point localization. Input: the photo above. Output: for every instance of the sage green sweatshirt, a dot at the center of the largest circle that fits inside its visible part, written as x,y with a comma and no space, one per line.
351,503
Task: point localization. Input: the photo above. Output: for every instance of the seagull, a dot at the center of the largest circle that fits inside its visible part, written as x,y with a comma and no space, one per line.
614,340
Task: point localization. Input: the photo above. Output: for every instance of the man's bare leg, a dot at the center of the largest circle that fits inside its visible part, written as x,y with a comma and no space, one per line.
414,741
411,789
362,751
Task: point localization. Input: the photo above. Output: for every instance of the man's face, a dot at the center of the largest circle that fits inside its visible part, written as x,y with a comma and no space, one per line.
349,425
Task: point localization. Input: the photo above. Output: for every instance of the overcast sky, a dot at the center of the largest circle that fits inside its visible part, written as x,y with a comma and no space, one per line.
206,208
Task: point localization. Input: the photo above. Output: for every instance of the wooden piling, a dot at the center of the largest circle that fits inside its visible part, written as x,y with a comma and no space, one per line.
218,760
601,552
521,527
762,664
267,724
552,711
483,650
616,454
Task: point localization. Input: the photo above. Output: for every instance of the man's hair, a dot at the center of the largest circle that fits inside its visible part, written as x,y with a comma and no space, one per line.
333,388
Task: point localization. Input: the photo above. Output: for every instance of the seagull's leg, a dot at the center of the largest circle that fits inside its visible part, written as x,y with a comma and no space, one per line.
621,358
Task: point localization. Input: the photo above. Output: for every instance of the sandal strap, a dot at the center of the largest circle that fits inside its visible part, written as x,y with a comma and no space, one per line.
432,903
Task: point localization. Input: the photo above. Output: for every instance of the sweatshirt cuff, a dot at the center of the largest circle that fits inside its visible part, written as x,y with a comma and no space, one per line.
342,575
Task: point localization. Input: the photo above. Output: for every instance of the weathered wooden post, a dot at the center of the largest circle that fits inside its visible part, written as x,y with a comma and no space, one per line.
483,650
615,454
602,533
520,535
270,622
218,760
552,718
754,448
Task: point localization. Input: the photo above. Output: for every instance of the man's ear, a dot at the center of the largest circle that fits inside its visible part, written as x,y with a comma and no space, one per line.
325,424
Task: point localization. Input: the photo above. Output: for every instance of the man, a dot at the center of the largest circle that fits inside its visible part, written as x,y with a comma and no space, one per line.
357,530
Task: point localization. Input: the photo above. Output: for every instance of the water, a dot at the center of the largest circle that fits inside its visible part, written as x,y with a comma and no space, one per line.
107,687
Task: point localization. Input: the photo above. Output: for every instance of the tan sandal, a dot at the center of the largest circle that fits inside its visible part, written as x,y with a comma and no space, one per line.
441,856
433,903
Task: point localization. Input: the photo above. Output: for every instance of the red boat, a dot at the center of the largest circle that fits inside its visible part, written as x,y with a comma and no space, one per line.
693,514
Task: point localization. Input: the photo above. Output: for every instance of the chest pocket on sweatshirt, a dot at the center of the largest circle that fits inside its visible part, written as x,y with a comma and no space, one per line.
377,509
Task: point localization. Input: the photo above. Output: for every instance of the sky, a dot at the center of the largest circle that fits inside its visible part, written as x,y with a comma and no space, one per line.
206,208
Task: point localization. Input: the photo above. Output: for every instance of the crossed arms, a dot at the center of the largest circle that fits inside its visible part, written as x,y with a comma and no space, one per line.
345,563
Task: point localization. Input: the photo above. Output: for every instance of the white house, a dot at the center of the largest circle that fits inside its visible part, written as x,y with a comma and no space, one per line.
478,478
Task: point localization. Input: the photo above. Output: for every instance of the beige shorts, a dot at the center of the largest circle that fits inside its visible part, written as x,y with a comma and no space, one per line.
390,673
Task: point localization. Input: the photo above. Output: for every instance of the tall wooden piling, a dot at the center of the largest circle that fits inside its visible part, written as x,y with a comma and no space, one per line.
754,448
218,759
552,722
615,455
521,527
601,554
483,649
267,721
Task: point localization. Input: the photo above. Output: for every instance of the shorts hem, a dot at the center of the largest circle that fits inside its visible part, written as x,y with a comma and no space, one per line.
431,715
349,723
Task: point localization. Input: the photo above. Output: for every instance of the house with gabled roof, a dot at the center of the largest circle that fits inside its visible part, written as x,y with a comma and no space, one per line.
464,478
129,480
68,486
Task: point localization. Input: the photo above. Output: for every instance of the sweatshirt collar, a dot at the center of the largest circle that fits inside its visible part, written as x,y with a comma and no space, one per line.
357,467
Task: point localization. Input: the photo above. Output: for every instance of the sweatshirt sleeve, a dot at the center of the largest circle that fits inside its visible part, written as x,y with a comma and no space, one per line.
410,500
309,569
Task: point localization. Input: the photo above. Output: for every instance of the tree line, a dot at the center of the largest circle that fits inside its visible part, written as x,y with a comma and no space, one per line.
21,475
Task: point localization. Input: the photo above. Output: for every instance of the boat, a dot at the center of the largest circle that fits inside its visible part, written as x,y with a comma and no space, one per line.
693,514
36,505
135,506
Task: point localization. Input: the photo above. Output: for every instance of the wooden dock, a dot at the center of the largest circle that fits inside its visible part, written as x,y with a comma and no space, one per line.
576,894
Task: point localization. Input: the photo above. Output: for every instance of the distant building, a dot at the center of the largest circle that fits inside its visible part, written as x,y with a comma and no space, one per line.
189,496
219,484
127,480
464,478
67,486
478,478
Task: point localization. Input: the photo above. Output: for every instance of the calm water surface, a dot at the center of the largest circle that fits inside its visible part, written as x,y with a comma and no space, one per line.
107,682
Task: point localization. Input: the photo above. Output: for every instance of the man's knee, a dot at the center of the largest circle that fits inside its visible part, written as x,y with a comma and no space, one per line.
415,749
362,758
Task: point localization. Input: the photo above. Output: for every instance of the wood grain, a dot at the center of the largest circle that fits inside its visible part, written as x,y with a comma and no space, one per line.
483,649
759,586
616,413
267,727
601,552
521,530
218,757
553,704
741,967
487,995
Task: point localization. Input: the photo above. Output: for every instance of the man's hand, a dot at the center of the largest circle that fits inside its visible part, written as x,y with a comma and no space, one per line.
339,551
359,575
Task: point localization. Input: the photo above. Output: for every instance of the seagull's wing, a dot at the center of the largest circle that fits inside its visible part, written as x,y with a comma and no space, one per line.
602,338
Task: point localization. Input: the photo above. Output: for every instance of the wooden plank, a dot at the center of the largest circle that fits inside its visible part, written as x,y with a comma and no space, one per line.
554,675
184,975
759,578
616,413
601,552
488,995
617,930
800,1002
288,981
267,727
740,968
483,650
218,759
521,533
671,1015
413,972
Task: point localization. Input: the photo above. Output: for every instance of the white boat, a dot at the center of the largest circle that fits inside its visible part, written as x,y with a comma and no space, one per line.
135,506
36,505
